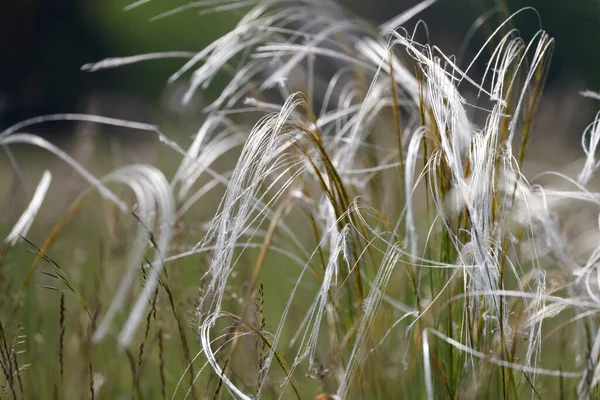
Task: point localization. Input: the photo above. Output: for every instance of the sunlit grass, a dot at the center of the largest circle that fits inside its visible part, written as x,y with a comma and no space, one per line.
338,227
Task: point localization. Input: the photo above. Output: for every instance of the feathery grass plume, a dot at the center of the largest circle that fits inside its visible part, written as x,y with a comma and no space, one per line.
24,223
412,257
154,196
329,145
279,46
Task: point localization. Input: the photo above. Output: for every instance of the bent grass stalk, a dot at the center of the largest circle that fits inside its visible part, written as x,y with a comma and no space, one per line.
366,196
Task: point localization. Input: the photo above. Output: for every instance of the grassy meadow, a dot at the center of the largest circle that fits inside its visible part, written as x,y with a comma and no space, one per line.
358,216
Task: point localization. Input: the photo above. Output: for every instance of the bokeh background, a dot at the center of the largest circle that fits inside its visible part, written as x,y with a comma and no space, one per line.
43,45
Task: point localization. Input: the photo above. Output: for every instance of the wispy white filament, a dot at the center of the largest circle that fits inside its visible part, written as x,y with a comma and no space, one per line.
24,223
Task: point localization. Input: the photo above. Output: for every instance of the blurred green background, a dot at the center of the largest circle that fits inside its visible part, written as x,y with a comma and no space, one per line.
45,43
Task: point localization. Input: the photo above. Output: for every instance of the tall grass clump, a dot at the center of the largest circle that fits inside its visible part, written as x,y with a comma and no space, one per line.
375,236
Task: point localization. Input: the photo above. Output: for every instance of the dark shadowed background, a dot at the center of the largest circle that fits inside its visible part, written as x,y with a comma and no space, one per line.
44,43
